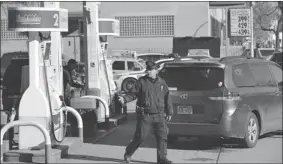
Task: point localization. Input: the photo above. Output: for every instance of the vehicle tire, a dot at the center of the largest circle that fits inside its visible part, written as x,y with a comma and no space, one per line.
252,131
128,84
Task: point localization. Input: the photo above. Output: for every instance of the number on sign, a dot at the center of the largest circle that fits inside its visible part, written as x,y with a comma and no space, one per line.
242,18
242,25
56,17
243,32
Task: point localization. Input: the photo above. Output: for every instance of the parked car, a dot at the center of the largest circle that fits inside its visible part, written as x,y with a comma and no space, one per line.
230,97
126,71
152,56
194,57
260,53
276,57
7,58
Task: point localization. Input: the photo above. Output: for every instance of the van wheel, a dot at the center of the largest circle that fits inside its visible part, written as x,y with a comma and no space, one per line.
252,131
128,84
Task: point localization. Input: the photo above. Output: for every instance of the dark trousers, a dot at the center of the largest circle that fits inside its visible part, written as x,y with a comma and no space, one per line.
146,123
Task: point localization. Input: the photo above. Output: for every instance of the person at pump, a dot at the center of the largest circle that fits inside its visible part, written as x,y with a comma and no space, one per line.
154,108
68,79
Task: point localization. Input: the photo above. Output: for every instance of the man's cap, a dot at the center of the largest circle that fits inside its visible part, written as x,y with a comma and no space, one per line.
151,65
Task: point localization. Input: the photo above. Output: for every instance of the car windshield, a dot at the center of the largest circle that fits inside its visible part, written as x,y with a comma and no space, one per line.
192,78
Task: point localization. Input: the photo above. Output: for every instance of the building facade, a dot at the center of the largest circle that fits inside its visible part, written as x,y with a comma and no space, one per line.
144,26
151,26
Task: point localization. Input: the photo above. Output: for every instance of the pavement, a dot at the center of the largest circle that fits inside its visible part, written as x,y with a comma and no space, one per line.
110,149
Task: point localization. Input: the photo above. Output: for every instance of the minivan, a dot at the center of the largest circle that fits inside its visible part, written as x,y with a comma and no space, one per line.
230,97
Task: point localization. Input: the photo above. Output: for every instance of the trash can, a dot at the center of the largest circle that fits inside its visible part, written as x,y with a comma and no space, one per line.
90,126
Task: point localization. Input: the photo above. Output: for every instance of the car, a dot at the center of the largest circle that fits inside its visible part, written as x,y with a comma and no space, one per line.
193,57
260,53
126,71
152,56
276,57
230,97
8,57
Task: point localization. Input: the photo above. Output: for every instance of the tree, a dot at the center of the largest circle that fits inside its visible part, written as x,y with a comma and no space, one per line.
268,17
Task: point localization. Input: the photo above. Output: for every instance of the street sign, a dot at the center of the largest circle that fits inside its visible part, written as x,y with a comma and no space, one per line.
37,19
240,22
109,27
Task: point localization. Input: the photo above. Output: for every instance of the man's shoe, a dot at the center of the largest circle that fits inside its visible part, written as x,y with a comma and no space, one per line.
127,158
166,161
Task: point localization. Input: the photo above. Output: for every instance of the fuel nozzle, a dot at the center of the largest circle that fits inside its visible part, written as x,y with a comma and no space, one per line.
61,98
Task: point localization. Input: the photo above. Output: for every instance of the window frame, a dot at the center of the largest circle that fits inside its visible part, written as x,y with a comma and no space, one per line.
125,68
251,75
270,73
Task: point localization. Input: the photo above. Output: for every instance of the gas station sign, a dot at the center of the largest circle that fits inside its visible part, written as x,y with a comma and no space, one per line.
37,19
240,22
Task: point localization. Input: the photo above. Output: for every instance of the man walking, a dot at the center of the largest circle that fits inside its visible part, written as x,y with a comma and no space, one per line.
154,108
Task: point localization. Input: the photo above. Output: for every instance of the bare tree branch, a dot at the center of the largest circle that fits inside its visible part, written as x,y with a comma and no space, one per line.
279,25
271,12
267,29
259,21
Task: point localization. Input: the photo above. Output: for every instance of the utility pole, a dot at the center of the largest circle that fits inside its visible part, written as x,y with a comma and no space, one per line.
227,32
91,47
252,30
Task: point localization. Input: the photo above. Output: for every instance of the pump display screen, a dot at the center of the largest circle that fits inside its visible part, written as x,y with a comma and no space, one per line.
47,51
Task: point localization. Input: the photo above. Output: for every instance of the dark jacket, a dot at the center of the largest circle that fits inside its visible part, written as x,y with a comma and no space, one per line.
152,95
67,78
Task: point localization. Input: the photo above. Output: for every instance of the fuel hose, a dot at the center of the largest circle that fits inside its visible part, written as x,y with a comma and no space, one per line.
50,106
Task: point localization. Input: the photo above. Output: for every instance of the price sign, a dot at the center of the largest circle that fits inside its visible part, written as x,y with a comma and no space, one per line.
37,19
240,22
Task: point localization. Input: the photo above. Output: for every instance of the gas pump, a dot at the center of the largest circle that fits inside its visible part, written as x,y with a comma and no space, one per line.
99,78
42,100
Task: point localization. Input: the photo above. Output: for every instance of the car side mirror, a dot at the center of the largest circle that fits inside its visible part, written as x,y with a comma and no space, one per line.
280,84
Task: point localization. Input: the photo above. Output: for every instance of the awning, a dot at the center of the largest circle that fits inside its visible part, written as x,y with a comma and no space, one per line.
223,4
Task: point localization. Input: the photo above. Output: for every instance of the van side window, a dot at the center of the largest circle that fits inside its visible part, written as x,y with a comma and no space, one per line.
133,66
118,65
242,76
277,73
262,74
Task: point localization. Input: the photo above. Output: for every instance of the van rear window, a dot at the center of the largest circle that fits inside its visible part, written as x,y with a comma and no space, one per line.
192,78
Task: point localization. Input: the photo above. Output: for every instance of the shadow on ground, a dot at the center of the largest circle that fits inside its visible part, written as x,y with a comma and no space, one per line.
99,159
124,134
277,134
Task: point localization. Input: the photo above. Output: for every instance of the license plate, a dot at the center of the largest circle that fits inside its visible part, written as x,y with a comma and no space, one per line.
185,110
